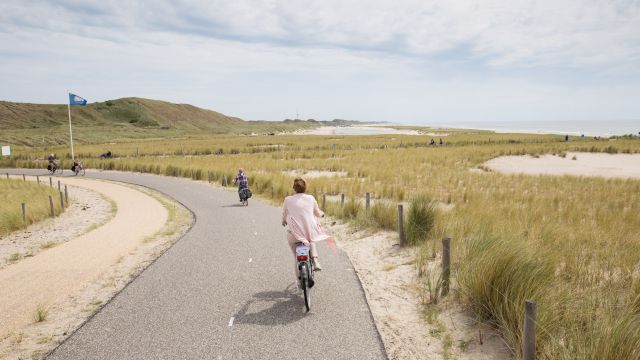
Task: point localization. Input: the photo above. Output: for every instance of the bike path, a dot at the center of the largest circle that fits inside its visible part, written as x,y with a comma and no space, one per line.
226,291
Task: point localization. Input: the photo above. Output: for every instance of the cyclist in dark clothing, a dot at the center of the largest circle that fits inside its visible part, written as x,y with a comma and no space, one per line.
242,181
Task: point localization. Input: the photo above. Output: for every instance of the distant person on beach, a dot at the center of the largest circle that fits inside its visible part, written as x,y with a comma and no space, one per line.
242,181
441,142
432,142
566,138
300,212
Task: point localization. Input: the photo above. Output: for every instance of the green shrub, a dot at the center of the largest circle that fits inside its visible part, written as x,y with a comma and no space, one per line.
419,220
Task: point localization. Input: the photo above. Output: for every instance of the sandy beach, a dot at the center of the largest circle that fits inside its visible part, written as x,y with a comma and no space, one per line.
356,130
621,166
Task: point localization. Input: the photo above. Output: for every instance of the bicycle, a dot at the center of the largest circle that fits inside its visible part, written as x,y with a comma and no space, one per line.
79,169
245,194
305,272
55,167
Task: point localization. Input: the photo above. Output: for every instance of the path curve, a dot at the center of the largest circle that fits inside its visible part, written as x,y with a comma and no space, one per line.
225,291
51,276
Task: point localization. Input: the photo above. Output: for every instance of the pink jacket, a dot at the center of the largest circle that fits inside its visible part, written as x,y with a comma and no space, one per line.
300,212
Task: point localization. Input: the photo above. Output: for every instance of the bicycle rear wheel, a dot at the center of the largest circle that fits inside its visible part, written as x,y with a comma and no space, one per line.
306,290
82,171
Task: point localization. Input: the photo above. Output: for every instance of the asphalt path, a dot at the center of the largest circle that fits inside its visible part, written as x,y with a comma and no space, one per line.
226,290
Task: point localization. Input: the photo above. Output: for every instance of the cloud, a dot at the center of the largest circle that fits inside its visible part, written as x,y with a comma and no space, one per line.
405,60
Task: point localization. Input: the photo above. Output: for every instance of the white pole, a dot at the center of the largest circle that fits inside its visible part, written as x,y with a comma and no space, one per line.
70,132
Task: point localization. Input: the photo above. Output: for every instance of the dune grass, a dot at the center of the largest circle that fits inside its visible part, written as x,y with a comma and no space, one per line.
36,197
572,244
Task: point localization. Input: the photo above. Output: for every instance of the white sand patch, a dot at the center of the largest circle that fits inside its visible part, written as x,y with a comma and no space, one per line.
312,174
389,277
356,130
626,166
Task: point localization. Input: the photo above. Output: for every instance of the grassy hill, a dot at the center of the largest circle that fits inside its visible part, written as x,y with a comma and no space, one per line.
132,112
128,118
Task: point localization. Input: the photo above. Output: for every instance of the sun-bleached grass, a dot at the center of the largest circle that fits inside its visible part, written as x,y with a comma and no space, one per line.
36,197
572,244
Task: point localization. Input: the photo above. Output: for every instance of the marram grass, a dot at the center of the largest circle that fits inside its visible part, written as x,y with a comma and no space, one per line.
36,197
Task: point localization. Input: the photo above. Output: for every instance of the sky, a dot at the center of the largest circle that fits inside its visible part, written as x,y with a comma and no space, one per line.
407,61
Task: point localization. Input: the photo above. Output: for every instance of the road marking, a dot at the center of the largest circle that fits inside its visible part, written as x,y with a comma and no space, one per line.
250,259
231,321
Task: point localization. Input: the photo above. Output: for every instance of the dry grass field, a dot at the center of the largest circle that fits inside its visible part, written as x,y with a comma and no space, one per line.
36,197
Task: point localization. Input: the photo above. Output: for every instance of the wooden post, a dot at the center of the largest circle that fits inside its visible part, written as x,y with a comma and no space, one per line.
61,202
7,176
38,179
66,195
50,182
24,214
53,213
446,265
529,336
342,199
224,180
367,201
272,192
401,224
324,202
209,176
24,178
59,186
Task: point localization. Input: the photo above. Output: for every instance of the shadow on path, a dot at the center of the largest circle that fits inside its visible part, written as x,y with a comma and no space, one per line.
273,308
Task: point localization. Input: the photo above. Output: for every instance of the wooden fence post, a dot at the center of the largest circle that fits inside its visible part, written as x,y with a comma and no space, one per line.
401,224
324,202
529,336
51,206
66,195
446,265
224,180
38,179
209,177
7,176
59,186
24,214
50,182
24,178
61,202
342,199
367,201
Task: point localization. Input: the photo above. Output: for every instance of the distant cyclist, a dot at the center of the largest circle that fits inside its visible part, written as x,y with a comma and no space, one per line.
300,211
242,181
52,162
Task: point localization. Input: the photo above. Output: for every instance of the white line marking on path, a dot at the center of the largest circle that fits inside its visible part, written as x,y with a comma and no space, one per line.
231,321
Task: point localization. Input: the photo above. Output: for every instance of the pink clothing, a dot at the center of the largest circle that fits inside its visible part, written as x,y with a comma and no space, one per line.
300,212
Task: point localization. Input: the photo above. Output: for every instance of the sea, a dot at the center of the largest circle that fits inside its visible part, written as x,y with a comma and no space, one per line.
576,128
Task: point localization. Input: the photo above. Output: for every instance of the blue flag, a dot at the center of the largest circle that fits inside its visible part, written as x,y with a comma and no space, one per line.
76,100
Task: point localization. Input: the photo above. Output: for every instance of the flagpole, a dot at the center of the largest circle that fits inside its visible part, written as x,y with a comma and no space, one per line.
70,131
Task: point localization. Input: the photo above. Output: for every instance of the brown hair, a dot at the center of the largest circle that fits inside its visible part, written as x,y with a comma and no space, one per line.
299,185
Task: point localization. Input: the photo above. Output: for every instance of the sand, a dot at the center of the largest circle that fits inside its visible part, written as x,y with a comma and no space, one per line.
51,276
88,210
389,277
356,130
313,174
622,166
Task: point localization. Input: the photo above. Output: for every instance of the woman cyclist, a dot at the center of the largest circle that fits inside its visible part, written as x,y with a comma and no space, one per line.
300,211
